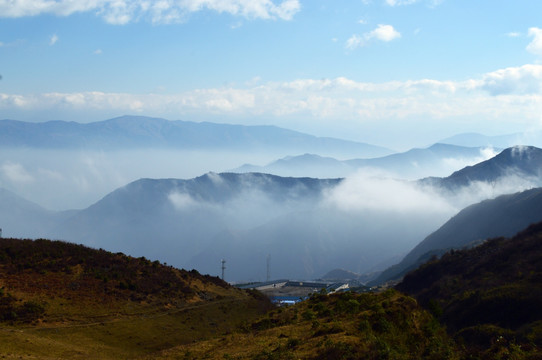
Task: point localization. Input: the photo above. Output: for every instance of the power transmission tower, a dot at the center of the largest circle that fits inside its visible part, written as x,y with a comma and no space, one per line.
223,267
268,267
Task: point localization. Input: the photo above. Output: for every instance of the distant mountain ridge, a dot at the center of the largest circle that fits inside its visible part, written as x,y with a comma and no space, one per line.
503,216
308,226
243,218
23,218
190,216
519,161
145,132
500,141
412,164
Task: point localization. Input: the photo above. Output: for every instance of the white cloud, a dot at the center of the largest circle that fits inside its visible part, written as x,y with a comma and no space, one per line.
430,3
535,46
400,2
182,201
366,192
513,34
354,42
511,95
15,173
382,32
98,52
53,40
161,11
526,79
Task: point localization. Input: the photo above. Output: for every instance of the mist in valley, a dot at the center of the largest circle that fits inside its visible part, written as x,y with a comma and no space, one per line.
185,212
75,179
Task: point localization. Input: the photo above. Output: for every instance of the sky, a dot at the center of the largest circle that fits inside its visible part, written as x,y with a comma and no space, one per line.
395,73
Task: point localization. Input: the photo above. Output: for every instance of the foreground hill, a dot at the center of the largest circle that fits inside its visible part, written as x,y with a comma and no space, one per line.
60,300
145,132
487,296
503,216
352,326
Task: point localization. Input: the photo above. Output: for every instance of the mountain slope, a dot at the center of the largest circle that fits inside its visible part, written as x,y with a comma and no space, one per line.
66,301
385,325
144,132
519,162
303,223
503,216
185,216
23,218
487,296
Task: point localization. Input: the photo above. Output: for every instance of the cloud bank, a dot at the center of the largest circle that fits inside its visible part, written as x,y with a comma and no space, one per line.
120,12
511,93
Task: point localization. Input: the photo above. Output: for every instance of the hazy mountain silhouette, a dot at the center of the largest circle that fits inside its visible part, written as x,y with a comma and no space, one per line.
503,216
23,218
499,141
175,219
413,164
145,132
244,218
521,162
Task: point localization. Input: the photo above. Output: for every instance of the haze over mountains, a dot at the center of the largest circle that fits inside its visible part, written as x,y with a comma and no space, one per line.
436,160
363,219
90,160
144,132
502,216
500,141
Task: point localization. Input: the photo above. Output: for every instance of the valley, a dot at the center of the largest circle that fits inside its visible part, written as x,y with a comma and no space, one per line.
341,244
270,179
308,226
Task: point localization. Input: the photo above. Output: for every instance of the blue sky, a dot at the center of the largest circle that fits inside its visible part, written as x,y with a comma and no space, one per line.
398,73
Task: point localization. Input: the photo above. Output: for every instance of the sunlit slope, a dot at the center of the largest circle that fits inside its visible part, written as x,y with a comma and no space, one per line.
388,325
61,300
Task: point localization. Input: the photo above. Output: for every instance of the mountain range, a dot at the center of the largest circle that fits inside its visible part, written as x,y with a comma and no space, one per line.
502,216
307,226
436,160
130,132
516,164
519,166
499,141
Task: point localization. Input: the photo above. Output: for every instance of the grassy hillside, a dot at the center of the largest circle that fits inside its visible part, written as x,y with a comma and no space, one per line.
388,325
489,297
60,300
65,301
